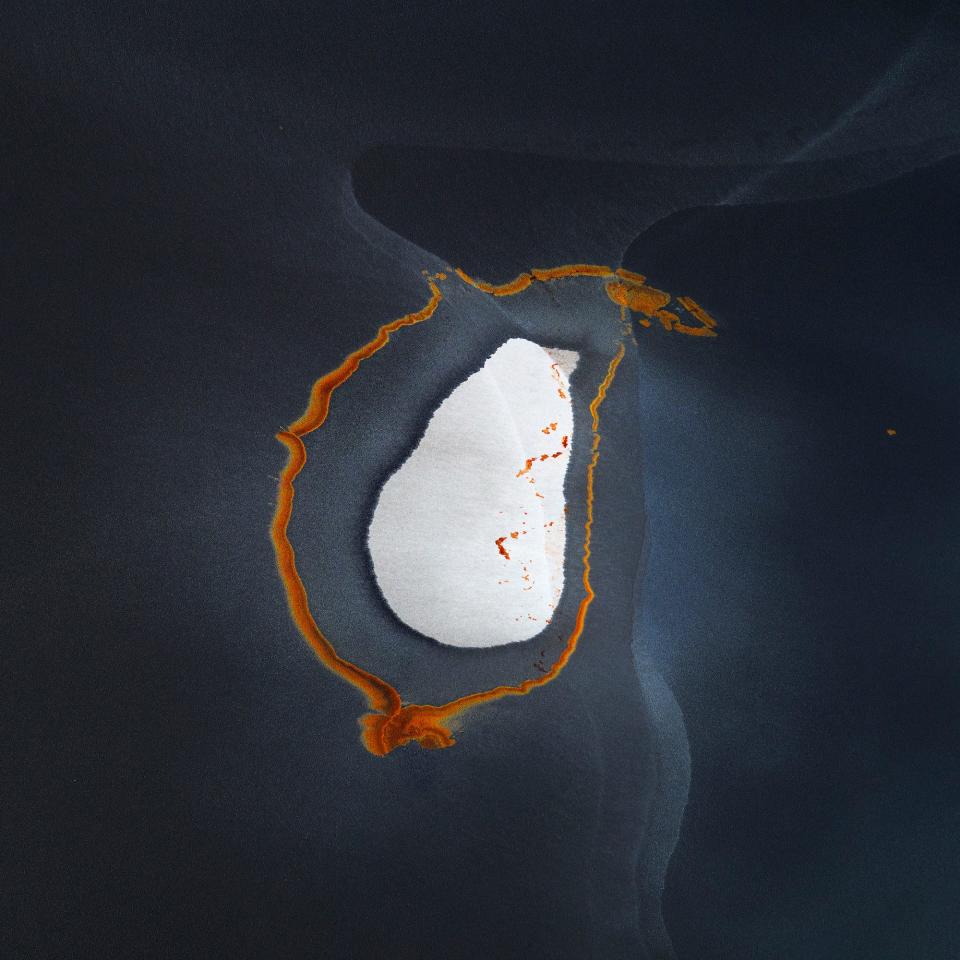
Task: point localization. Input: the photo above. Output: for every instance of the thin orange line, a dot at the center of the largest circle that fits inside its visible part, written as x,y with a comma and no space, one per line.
379,694
319,405
523,280
694,308
631,275
572,270
516,285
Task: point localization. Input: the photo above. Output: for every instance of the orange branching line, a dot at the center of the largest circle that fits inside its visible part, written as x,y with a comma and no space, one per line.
393,724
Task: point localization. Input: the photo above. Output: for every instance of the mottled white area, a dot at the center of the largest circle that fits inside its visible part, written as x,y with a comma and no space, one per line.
433,536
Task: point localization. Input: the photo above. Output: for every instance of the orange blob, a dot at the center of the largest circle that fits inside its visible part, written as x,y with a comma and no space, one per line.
633,294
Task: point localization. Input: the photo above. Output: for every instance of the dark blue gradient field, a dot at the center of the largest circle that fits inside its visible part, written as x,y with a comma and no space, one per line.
753,752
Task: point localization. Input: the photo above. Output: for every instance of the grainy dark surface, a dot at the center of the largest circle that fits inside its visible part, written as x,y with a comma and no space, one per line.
206,206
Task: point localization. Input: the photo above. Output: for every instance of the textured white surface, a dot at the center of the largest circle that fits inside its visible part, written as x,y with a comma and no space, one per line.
491,465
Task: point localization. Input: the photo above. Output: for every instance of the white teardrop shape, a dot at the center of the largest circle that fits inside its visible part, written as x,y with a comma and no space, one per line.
467,538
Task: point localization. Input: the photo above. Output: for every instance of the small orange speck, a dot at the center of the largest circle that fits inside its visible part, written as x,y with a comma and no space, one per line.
891,432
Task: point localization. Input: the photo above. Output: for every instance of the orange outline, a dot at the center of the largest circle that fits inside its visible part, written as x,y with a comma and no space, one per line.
393,724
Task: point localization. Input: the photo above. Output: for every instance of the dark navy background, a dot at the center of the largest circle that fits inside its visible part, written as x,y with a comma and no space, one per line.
204,208
822,590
